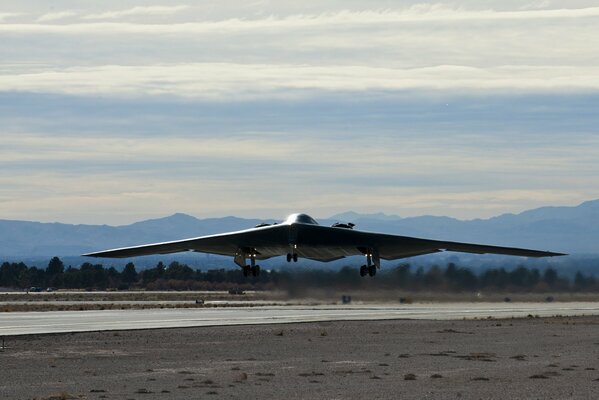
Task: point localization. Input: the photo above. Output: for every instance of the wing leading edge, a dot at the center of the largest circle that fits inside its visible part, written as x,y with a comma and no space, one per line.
312,241
346,242
269,238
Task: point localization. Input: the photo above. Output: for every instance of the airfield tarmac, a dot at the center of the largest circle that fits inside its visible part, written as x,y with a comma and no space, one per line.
20,323
373,350
525,358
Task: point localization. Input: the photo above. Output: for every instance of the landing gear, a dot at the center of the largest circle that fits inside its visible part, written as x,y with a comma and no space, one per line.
371,265
372,270
291,257
363,270
252,269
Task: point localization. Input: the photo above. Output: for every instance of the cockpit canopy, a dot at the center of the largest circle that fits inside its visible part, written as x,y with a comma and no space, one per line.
301,218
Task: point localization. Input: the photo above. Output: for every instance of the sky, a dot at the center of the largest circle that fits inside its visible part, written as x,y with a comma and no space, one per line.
117,111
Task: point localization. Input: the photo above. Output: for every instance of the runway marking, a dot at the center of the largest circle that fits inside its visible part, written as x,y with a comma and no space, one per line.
80,321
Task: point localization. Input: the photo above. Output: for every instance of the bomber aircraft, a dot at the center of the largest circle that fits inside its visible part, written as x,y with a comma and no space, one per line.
301,236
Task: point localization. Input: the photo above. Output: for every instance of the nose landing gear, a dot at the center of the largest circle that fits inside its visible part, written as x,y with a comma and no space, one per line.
363,270
292,255
372,264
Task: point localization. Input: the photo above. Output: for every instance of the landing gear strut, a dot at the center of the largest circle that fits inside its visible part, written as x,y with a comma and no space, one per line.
293,254
370,267
252,269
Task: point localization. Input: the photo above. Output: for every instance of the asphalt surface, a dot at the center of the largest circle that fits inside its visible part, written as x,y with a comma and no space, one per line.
523,358
23,323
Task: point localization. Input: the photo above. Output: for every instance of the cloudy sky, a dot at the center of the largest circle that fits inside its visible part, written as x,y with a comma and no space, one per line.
115,111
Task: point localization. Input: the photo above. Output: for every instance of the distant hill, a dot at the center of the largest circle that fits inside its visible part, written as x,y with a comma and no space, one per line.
573,230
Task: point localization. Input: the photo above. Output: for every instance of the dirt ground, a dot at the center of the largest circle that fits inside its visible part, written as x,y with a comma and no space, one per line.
537,358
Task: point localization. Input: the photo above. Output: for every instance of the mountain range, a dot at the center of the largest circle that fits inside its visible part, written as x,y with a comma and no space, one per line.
573,230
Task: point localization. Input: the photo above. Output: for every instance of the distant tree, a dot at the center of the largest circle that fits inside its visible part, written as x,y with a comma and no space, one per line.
550,277
10,272
348,277
100,277
55,267
467,279
93,276
451,272
433,277
402,275
153,274
179,271
519,277
494,278
418,277
129,274
582,281
160,269
534,277
72,278
182,276
54,272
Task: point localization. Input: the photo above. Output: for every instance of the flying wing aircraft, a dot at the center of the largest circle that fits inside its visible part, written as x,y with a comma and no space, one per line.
301,236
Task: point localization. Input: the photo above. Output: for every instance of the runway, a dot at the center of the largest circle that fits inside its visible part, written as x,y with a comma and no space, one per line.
23,323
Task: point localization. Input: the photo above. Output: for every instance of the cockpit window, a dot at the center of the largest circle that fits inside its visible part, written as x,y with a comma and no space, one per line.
302,218
306,219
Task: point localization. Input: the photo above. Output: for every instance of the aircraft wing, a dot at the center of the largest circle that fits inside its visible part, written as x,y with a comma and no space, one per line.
424,246
314,242
322,243
269,241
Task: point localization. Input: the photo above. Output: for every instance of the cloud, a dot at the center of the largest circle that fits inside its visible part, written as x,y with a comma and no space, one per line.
136,11
394,171
223,80
7,15
468,109
421,13
53,16
408,40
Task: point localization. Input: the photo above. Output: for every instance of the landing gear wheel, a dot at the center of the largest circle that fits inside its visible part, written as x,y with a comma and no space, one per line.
256,270
288,257
295,257
363,270
372,270
246,270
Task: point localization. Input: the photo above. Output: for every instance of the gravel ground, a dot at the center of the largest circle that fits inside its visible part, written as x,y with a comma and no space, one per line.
537,358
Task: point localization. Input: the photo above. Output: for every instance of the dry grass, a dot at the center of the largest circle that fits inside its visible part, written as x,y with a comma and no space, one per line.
85,301
138,295
61,396
319,295
408,297
109,306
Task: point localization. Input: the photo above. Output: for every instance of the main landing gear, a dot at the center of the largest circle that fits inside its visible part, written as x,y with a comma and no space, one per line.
240,259
253,270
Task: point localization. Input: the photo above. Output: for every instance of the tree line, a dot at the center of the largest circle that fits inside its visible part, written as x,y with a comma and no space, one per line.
179,276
